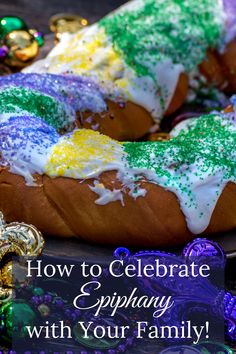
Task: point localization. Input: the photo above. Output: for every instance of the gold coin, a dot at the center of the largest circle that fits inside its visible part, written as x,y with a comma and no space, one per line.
5,295
7,275
62,23
23,48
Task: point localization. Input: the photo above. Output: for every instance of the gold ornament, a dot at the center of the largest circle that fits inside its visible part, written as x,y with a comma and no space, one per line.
20,239
159,137
17,239
6,275
23,48
70,23
5,295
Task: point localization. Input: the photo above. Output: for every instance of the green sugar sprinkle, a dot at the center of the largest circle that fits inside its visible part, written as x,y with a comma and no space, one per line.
18,99
158,29
208,145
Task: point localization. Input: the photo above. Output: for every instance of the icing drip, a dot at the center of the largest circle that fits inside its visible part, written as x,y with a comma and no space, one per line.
25,142
106,195
195,165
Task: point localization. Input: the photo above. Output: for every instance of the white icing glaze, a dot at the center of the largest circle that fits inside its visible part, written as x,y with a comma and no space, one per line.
205,191
94,154
86,158
26,167
184,125
90,52
4,117
110,71
106,195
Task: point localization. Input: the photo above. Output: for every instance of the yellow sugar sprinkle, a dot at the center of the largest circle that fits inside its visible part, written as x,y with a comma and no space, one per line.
81,54
81,154
91,55
122,83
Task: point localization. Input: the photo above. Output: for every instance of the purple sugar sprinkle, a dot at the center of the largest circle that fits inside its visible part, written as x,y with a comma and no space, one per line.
24,129
26,135
3,52
79,93
230,10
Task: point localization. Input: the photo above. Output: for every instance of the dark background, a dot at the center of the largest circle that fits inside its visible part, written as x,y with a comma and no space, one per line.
36,13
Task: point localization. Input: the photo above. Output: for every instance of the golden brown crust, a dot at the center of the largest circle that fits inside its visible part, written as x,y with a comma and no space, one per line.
214,70
128,121
64,207
224,215
180,94
220,69
229,62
